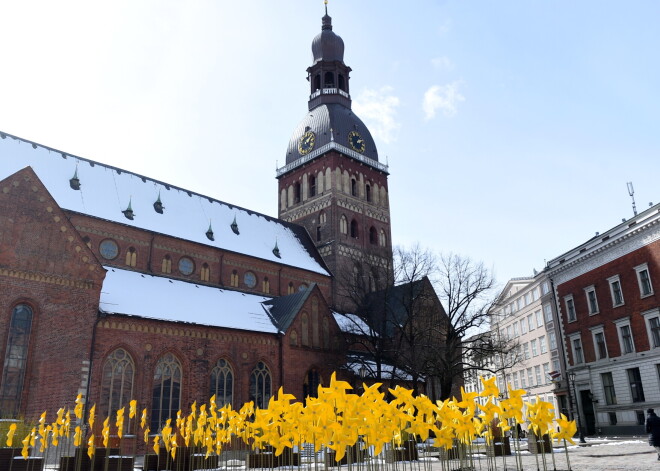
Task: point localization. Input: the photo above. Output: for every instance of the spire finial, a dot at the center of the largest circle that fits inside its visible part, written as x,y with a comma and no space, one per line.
326,22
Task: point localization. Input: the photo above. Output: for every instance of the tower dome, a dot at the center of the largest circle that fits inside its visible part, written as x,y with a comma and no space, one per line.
327,46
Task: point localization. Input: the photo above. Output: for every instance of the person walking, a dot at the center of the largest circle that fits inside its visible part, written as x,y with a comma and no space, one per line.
653,429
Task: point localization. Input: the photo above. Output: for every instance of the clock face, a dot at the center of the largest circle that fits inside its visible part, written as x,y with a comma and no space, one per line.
356,141
306,143
250,280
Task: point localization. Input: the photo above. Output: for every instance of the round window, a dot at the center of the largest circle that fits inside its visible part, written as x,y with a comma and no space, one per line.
250,280
186,266
109,249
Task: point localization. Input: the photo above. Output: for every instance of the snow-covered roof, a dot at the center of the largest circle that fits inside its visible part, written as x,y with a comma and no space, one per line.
105,192
133,293
352,324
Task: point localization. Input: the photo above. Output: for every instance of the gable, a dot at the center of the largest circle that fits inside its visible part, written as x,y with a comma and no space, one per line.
36,237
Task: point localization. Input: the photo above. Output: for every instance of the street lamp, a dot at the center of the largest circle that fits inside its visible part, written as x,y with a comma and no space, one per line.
576,413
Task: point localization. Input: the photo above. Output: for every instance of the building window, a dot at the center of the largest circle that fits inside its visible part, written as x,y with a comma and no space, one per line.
615,291
570,309
382,239
636,388
290,289
639,415
250,279
166,264
205,273
612,418
608,388
265,285
354,191
592,302
117,382
109,249
553,340
625,336
373,235
166,397
542,345
547,311
318,233
312,186
534,351
578,356
293,338
644,280
523,326
326,333
599,345
530,322
354,229
222,383
186,266
296,193
652,320
131,257
526,350
537,372
367,190
515,329
523,379
546,372
260,385
539,318
15,361
311,384
322,217
304,329
343,225
530,377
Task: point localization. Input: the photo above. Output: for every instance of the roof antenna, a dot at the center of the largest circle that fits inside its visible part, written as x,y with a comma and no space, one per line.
631,192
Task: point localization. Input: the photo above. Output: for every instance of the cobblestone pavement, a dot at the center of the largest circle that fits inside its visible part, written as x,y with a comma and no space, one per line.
629,453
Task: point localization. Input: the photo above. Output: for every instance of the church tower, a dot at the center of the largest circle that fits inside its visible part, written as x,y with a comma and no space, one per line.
332,183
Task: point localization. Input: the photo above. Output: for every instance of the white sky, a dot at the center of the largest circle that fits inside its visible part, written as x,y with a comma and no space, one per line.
511,128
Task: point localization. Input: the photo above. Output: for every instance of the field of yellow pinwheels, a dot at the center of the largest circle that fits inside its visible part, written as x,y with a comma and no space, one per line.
336,422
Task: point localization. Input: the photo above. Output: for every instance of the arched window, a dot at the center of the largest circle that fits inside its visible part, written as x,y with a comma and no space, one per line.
234,279
117,382
312,186
131,257
266,285
329,80
342,82
290,289
15,362
373,235
166,265
222,383
293,338
354,191
205,273
326,333
87,241
317,82
354,229
343,224
316,340
304,328
311,383
166,397
382,239
322,217
260,385
296,192
367,190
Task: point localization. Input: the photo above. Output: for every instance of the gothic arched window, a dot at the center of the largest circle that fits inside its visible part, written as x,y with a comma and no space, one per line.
373,235
222,383
312,186
304,329
166,397
354,191
131,257
260,385
117,382
311,383
382,239
354,229
166,265
15,362
205,273
343,224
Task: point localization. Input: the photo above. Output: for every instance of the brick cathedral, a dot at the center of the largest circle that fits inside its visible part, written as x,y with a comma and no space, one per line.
118,286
